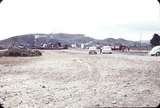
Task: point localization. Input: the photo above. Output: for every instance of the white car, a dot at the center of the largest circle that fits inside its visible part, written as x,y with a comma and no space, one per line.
92,50
155,51
106,50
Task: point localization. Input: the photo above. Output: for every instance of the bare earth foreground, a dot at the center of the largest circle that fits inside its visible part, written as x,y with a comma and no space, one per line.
74,79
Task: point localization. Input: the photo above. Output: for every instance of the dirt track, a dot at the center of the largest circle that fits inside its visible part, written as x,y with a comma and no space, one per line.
74,79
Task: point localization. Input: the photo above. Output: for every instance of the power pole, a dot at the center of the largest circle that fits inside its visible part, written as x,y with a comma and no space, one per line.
140,40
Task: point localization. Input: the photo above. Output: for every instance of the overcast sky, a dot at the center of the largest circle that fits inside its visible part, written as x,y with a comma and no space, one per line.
95,18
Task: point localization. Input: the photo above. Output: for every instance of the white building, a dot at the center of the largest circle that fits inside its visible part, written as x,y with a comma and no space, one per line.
82,46
74,45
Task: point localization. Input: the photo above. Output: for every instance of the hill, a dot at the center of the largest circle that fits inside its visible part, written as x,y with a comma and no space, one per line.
31,40
25,40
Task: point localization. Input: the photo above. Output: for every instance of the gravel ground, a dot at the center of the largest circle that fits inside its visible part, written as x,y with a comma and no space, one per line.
74,79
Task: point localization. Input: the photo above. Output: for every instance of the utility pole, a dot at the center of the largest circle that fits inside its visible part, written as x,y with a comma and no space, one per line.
140,40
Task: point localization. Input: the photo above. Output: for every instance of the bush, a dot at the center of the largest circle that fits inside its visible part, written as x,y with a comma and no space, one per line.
23,52
1,48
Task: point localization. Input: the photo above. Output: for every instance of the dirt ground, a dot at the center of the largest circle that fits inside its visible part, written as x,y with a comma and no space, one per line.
74,79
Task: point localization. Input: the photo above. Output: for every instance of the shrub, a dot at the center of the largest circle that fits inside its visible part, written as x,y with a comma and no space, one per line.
23,52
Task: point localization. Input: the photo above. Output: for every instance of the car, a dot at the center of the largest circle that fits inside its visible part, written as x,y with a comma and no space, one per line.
106,50
92,50
155,51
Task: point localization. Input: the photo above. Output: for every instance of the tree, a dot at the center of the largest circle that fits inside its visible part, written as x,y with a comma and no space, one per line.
155,40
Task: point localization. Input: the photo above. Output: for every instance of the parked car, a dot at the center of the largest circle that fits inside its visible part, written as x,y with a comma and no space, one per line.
92,50
155,51
106,50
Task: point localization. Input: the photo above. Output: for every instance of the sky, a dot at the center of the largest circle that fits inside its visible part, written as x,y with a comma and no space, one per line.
100,19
